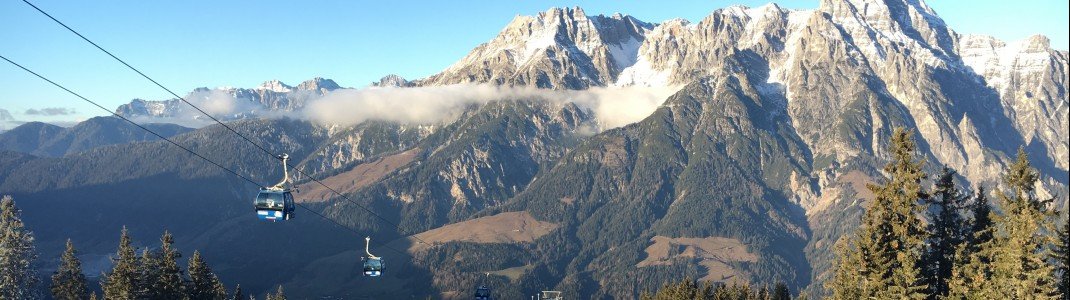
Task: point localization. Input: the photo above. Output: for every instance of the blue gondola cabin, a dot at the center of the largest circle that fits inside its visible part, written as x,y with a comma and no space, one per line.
272,205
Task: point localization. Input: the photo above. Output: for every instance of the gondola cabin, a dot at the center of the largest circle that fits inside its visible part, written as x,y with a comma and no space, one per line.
274,205
482,293
373,266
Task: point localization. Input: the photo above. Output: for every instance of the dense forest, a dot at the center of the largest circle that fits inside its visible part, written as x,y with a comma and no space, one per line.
688,289
149,273
946,243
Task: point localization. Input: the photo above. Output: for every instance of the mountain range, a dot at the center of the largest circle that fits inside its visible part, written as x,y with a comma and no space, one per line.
750,171
47,140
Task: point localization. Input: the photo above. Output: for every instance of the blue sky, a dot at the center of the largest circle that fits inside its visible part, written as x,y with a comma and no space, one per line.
189,44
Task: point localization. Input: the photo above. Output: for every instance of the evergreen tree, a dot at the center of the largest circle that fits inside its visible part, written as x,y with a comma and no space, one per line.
203,283
781,292
169,283
238,295
122,282
972,272
279,295
1020,269
946,230
981,227
882,259
219,290
847,281
763,293
688,289
18,279
1013,264
68,282
93,296
1061,257
148,270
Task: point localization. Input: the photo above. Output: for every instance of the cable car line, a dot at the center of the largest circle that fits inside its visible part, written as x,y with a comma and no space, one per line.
262,148
135,69
128,120
176,144
350,229
397,226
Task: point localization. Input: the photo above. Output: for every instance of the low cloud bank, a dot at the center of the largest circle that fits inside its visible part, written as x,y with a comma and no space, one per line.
613,107
50,111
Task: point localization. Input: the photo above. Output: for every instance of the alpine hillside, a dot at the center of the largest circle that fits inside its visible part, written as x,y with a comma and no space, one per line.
749,172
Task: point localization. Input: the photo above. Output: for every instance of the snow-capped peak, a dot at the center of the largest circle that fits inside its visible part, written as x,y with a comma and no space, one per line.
392,80
593,48
999,62
318,84
275,86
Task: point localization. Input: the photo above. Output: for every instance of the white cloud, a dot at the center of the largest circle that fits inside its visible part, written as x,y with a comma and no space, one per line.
619,106
405,105
613,106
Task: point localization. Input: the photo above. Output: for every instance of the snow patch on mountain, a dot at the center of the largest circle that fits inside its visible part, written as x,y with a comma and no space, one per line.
998,61
275,86
642,73
625,54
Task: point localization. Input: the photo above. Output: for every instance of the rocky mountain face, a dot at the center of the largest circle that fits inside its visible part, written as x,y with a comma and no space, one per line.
560,48
715,162
971,98
363,142
392,80
852,69
1029,77
270,96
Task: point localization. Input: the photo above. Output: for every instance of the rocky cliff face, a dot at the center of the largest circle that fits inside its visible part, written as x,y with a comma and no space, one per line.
269,96
392,80
1030,79
363,142
849,71
560,48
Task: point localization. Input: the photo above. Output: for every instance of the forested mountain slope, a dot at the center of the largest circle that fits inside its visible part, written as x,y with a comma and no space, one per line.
749,172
